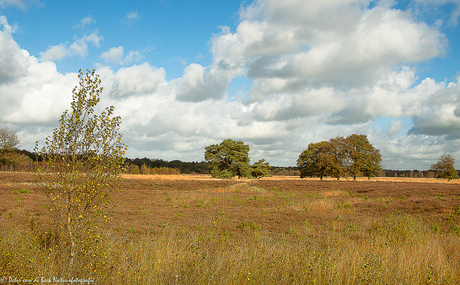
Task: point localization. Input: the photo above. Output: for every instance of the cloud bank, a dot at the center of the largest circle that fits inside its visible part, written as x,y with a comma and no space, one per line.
319,69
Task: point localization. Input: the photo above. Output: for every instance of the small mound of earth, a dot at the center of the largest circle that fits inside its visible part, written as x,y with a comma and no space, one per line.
246,187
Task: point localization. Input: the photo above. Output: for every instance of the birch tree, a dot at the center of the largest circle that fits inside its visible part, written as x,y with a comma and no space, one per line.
84,160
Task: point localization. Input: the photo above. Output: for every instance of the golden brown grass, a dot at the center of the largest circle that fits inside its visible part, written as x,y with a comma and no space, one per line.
198,230
168,177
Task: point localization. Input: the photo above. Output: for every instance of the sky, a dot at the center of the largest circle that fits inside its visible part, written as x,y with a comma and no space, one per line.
277,75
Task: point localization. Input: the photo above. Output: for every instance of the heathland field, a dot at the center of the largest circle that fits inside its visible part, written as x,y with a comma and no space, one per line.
196,230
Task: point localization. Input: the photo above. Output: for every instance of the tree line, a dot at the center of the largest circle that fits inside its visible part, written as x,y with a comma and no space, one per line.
415,173
324,155
160,165
339,157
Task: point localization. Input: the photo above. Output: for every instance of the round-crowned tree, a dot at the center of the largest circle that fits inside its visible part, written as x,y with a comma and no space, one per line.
228,157
444,168
339,157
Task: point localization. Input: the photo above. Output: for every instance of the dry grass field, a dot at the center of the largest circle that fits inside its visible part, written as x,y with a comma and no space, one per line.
183,229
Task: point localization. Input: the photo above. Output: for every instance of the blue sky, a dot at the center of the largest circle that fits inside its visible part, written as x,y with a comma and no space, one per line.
277,75
166,33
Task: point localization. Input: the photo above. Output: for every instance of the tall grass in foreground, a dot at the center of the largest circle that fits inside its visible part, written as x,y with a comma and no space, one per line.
393,250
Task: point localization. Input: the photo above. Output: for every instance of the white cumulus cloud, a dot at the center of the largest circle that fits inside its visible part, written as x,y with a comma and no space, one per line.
113,55
137,80
316,69
78,48
14,61
116,56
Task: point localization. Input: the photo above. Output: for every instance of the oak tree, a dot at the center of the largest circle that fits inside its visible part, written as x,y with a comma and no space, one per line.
340,157
445,167
363,158
316,161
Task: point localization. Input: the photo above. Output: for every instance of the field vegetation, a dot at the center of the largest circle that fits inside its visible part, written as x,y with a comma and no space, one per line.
187,229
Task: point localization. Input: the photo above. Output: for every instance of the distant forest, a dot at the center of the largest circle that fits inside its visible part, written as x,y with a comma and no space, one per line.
410,173
202,168
184,167
199,167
